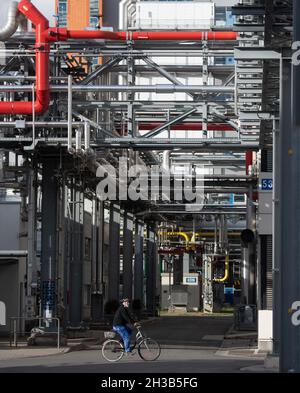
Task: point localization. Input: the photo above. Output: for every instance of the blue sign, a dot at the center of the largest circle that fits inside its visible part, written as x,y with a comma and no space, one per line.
267,184
191,280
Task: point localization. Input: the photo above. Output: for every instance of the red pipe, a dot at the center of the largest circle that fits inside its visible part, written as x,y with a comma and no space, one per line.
188,126
249,160
148,35
42,65
44,35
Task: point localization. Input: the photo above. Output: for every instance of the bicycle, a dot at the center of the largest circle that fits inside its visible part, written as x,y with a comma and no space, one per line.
113,348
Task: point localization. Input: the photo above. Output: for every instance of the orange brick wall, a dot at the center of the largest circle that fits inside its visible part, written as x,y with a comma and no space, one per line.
78,14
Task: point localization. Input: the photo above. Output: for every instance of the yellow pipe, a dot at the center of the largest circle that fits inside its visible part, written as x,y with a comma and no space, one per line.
226,271
183,234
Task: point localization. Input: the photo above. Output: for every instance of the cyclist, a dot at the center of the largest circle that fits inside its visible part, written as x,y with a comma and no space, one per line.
122,319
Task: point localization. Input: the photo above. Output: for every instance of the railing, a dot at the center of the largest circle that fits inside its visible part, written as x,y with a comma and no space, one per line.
187,24
13,331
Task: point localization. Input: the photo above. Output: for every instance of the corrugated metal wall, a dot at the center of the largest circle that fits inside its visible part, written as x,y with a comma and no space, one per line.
266,272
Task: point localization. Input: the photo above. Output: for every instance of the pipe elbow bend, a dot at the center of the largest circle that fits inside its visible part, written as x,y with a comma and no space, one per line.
42,102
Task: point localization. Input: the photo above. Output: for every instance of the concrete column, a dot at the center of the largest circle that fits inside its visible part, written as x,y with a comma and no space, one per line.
138,261
151,264
49,238
127,255
114,254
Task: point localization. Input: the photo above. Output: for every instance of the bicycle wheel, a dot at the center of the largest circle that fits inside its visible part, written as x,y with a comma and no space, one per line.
149,349
112,350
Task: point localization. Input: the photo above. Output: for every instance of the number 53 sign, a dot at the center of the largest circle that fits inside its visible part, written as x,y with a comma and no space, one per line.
267,184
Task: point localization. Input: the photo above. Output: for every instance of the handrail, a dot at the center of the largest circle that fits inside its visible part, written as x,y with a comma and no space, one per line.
14,320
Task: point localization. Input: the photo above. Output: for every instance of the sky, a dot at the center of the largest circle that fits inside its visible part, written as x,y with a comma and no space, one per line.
47,7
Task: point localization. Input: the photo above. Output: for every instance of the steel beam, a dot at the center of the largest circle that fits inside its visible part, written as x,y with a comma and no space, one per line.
164,88
165,73
192,144
101,70
175,120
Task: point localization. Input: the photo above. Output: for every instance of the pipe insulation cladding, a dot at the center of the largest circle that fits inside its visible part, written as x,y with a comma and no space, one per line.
46,35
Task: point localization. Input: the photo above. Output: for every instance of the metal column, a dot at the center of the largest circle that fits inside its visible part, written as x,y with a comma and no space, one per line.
248,263
94,307
49,238
31,264
151,263
114,254
77,256
62,253
100,269
276,227
130,97
289,205
138,262
127,255
97,259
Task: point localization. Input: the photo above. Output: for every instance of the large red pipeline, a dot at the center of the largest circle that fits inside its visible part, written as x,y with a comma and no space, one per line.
151,35
42,65
44,35
188,126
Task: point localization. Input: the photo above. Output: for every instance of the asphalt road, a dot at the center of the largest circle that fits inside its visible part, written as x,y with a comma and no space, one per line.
189,345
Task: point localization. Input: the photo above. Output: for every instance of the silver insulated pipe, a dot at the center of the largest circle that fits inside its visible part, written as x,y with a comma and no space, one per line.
12,22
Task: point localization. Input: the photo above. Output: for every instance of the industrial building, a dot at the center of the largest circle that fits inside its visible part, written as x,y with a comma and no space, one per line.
149,150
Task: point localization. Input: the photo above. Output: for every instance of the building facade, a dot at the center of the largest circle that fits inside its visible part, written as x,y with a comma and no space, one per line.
79,14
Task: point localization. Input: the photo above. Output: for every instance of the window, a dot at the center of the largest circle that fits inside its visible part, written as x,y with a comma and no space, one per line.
94,20
62,13
62,7
94,7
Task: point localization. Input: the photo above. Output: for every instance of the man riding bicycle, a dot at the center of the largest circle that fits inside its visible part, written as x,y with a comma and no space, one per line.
122,319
